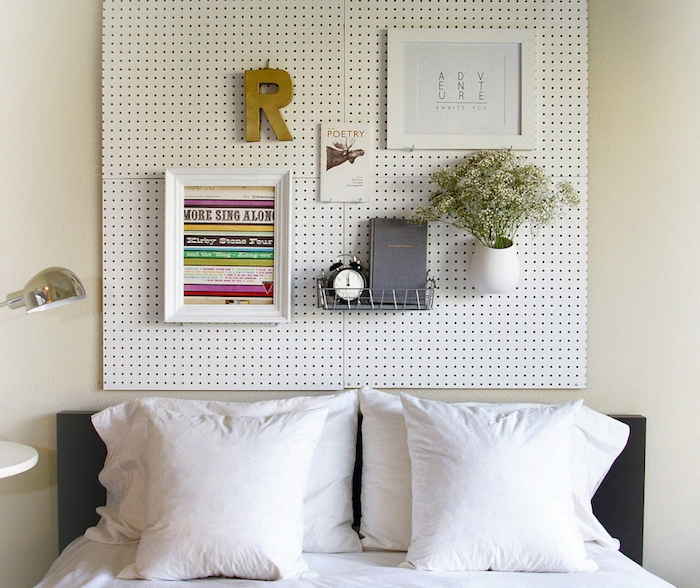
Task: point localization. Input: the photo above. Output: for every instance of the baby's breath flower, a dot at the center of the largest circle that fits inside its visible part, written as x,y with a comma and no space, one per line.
492,193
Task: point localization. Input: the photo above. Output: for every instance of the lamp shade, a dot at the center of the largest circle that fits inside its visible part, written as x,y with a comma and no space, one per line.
52,287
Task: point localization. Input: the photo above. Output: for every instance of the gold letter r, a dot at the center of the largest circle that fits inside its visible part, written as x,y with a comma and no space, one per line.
270,104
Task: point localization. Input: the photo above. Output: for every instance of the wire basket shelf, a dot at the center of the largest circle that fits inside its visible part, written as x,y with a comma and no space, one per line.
375,298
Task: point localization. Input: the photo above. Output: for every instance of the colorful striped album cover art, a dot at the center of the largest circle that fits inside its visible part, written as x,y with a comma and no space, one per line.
229,244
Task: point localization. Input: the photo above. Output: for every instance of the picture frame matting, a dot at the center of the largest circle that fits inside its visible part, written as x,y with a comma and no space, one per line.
460,89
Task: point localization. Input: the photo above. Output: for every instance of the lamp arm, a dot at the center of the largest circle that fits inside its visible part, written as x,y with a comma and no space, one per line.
14,300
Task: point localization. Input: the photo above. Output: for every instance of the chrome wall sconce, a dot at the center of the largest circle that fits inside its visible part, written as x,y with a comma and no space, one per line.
50,288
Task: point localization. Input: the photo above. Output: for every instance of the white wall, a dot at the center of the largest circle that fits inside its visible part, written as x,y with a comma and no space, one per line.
644,294
50,195
644,250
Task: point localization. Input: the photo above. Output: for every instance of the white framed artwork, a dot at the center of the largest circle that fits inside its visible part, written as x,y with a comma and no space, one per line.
228,245
460,89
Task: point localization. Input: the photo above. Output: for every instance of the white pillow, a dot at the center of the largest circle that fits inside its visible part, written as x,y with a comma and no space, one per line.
385,492
599,440
492,491
386,468
226,495
328,514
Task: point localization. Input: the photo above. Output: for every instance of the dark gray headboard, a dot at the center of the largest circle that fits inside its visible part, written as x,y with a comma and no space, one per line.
618,504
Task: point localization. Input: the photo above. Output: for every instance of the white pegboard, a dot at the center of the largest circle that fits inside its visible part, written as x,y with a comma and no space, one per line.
173,96
141,352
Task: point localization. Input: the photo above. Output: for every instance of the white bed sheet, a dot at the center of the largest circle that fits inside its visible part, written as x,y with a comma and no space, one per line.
89,564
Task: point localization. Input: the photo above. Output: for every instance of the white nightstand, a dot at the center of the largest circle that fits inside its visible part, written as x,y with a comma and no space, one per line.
16,458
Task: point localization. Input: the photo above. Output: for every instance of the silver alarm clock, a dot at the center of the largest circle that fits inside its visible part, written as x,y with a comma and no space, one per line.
347,279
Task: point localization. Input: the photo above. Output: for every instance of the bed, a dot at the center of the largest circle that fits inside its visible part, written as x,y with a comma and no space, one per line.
91,556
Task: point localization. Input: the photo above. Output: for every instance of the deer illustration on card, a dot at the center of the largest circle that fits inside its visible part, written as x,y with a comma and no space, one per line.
341,151
343,143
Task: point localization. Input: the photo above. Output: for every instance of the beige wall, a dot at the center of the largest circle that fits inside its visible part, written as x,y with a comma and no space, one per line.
644,251
644,311
50,203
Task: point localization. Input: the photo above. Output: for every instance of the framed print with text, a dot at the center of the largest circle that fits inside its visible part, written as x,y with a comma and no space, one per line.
460,89
228,245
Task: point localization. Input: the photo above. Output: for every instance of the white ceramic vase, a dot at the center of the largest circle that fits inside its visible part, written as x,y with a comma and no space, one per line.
495,271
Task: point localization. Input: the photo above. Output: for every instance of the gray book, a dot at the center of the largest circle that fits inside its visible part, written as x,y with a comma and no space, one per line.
398,254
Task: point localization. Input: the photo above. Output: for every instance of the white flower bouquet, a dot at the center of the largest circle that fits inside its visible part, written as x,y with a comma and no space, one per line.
492,194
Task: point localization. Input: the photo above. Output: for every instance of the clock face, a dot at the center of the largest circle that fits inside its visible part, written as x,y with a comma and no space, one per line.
348,284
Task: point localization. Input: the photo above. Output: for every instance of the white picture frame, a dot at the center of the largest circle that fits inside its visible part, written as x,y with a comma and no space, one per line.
460,89
228,246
